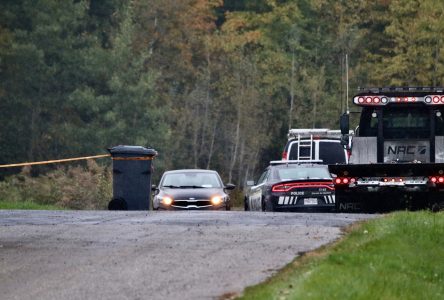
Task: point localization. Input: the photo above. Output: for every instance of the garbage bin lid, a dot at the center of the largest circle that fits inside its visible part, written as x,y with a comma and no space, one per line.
132,150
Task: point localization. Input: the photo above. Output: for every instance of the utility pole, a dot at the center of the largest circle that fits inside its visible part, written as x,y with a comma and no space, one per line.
346,79
290,115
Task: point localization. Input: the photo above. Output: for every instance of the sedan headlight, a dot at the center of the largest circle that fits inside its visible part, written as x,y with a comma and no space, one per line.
216,200
167,200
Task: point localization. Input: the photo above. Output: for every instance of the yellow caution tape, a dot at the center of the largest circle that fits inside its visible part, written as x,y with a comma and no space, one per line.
53,161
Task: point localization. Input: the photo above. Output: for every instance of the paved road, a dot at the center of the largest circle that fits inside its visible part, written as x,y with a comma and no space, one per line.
151,255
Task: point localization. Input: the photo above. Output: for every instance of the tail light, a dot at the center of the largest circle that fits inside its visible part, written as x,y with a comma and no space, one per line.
344,180
437,179
284,155
285,187
280,188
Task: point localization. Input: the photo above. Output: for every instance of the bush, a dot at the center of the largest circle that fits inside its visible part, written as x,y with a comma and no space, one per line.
88,187
237,198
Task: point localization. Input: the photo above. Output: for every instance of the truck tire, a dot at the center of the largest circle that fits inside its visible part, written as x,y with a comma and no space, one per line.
263,204
268,206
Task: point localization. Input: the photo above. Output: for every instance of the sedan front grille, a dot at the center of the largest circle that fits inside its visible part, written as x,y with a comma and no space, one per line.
194,203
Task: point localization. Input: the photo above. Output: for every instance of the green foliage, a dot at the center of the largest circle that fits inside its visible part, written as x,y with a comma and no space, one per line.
71,95
208,83
411,51
78,187
392,257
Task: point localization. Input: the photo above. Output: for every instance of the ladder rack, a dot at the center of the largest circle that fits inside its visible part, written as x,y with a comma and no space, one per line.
305,144
296,161
312,133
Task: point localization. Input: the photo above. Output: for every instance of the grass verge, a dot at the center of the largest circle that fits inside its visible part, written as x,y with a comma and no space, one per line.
398,256
26,205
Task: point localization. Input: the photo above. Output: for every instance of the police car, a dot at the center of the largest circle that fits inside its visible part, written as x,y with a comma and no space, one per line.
292,185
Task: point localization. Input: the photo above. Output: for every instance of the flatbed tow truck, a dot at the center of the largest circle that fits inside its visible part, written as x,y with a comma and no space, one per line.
397,151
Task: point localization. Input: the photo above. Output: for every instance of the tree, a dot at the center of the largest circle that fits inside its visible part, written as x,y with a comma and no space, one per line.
70,90
411,53
39,63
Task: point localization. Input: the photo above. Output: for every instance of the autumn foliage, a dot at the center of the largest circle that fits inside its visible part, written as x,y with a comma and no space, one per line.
209,84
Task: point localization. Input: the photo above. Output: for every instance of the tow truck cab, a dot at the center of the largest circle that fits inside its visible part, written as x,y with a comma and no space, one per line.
397,152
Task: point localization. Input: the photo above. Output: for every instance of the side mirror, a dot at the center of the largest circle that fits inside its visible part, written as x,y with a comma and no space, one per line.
153,187
345,140
230,186
344,123
250,182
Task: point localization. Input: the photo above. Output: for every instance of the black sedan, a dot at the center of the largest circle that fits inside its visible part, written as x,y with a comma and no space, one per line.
191,190
292,186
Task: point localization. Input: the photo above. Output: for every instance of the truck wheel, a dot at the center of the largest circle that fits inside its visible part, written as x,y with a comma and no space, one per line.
437,207
268,206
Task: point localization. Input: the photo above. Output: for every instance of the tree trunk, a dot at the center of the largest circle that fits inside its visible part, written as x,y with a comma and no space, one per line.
195,147
34,130
315,101
210,151
236,142
207,105
241,160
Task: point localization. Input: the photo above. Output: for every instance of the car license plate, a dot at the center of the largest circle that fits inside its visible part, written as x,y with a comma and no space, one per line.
310,201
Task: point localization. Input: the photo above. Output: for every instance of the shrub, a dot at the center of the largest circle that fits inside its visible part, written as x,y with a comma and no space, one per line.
78,187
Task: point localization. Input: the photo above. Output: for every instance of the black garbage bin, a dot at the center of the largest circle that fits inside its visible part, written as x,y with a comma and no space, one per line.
132,169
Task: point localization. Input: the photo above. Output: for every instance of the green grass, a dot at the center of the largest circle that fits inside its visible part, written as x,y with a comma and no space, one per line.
398,256
26,205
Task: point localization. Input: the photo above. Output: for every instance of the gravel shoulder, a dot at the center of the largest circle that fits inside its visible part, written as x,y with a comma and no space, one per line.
152,255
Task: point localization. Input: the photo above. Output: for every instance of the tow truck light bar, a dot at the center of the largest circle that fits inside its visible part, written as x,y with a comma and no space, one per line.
372,100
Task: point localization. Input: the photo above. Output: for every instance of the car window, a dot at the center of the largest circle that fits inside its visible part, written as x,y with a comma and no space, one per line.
297,173
263,177
439,122
304,151
411,123
187,179
369,122
331,152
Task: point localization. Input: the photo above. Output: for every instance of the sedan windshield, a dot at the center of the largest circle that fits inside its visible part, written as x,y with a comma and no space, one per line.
191,180
297,173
